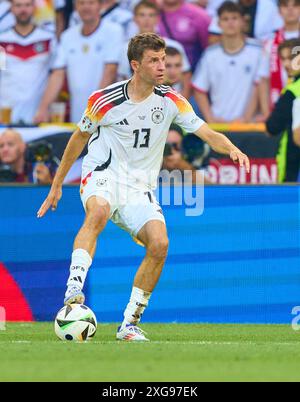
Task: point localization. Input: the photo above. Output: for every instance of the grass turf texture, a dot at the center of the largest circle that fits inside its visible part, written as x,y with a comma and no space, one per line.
192,352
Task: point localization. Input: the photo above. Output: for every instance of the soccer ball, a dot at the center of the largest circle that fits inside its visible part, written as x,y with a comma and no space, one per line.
75,322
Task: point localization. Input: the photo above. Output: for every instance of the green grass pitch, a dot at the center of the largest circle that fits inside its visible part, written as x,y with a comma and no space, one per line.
177,352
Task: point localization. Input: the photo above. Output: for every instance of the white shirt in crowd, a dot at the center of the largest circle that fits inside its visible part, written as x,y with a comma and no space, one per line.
267,20
28,62
7,19
124,70
84,58
296,114
218,74
116,15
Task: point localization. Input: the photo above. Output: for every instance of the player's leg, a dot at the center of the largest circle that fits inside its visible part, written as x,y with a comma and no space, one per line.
154,236
97,215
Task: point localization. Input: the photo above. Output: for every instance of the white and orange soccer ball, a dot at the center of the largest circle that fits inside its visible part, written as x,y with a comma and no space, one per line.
75,322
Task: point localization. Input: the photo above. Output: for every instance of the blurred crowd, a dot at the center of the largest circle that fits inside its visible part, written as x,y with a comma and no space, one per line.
222,55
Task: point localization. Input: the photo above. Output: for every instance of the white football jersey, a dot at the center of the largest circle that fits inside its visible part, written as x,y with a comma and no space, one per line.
129,138
28,62
84,58
229,78
7,19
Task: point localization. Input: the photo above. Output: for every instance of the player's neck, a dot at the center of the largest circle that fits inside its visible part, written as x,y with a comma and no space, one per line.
139,90
233,44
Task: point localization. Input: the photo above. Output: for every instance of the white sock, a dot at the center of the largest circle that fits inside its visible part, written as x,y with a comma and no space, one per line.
138,302
81,262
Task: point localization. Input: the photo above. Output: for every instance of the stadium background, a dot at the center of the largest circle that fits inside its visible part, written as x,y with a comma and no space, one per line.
237,263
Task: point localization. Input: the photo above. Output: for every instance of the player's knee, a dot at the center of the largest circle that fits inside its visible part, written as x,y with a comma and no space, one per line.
158,248
96,219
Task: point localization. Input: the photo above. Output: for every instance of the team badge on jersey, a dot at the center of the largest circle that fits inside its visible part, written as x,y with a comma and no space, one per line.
101,182
157,115
39,47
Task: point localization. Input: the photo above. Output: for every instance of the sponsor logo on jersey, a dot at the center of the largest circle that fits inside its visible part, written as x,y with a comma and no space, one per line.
157,115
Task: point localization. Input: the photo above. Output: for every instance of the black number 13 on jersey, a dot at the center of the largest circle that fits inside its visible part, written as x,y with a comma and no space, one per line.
142,138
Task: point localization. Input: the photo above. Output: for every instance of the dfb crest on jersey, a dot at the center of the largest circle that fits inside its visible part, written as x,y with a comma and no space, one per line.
157,115
101,182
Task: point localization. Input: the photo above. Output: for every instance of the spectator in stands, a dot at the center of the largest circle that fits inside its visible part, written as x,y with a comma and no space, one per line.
29,56
174,160
174,69
7,19
110,11
274,76
226,77
187,24
12,155
281,119
146,17
16,167
89,55
262,19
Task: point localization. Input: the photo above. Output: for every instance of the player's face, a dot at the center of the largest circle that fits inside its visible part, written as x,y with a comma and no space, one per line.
23,10
146,19
11,148
290,13
152,67
232,24
88,10
173,69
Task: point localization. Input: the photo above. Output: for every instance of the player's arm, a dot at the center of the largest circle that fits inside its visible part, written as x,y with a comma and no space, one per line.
73,150
222,145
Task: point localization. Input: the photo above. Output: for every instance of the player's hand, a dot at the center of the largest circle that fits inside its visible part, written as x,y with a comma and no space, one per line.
51,201
243,160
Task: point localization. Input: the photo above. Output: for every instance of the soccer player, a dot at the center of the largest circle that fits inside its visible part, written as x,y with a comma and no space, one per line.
125,126
146,18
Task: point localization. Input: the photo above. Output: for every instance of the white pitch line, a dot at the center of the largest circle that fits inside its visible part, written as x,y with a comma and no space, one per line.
198,343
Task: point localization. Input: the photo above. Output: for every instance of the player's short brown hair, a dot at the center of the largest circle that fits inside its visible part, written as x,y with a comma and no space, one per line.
142,42
146,4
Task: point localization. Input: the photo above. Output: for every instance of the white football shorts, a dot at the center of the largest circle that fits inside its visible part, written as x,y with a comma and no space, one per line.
130,208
